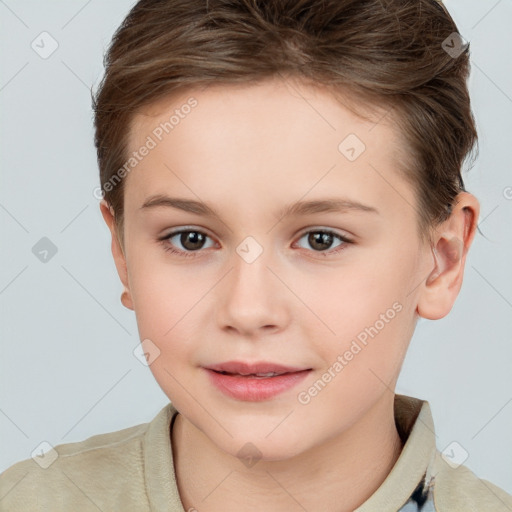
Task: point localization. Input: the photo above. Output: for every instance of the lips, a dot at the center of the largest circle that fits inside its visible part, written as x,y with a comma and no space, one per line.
254,382
257,369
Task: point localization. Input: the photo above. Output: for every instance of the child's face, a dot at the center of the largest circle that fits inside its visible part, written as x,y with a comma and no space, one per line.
248,152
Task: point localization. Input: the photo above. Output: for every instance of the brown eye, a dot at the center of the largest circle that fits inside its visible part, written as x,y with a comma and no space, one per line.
322,240
191,241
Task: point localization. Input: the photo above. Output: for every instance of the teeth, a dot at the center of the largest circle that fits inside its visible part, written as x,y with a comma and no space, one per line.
270,374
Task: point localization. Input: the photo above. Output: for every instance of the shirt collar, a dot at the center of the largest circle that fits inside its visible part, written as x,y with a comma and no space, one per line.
410,475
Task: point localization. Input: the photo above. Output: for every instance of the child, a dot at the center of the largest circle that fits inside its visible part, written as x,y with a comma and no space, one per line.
313,149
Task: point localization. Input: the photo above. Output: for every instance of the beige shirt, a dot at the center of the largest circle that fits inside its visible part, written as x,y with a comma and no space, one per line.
132,470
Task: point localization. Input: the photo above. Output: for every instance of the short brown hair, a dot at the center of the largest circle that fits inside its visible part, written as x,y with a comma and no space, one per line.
389,54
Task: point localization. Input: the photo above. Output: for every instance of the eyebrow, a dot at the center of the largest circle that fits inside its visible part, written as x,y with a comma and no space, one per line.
300,208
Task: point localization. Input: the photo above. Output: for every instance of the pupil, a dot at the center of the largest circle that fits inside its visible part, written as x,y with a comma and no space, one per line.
194,237
324,239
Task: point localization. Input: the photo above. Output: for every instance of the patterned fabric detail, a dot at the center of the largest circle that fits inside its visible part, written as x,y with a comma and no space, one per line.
422,499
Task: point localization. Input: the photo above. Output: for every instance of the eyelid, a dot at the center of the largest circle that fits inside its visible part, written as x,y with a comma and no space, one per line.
342,237
345,234
342,233
182,229
186,229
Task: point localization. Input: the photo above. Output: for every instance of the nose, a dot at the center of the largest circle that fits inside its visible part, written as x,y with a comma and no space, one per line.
252,299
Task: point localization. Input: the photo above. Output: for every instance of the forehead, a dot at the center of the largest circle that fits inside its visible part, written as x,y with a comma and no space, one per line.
267,138
279,102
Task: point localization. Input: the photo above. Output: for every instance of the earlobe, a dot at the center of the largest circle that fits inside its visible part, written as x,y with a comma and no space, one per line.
449,249
126,299
117,252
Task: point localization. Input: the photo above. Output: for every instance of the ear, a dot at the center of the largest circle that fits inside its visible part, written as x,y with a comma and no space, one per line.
449,249
117,252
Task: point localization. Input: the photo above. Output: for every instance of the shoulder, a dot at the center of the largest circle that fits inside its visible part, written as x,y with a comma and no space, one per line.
458,488
77,473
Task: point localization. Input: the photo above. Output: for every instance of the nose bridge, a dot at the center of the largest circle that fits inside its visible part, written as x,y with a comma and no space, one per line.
251,294
250,265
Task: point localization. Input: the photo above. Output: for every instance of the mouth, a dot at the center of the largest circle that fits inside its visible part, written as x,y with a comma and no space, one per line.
255,375
255,382
261,369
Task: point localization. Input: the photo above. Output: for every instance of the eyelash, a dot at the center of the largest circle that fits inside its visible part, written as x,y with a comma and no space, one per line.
193,254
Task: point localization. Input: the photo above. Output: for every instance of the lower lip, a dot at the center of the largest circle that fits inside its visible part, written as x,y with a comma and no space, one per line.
251,389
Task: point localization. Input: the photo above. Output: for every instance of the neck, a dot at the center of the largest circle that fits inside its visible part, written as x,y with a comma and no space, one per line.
340,474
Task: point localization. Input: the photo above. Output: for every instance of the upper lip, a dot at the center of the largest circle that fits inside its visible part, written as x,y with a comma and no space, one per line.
243,368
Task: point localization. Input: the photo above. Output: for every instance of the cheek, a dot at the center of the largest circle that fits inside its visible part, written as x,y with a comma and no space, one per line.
163,316
173,309
370,314
353,297
162,292
362,364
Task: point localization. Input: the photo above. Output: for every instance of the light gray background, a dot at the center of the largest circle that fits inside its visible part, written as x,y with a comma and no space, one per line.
67,367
